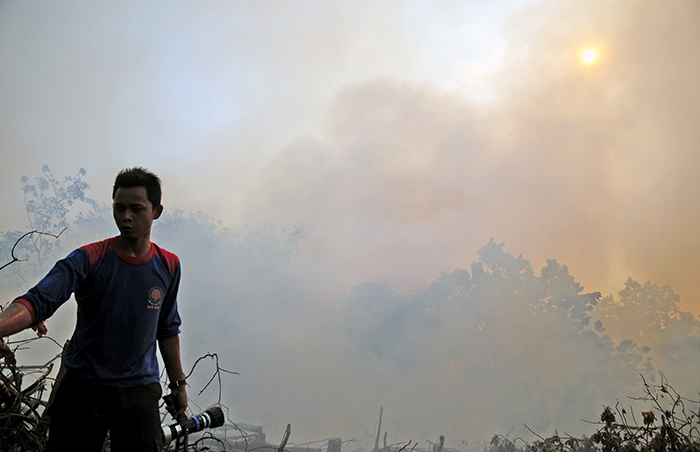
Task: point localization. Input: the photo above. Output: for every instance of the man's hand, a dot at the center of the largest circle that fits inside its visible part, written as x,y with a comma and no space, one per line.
179,401
41,329
170,351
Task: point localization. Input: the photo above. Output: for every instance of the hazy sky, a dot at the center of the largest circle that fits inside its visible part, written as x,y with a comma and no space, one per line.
399,135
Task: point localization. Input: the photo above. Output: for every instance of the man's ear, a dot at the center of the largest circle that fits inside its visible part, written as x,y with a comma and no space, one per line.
157,212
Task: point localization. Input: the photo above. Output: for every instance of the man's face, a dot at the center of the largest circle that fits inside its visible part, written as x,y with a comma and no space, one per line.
134,213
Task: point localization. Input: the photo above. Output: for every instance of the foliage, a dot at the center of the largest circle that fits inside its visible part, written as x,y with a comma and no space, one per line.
649,315
541,339
648,311
48,201
669,425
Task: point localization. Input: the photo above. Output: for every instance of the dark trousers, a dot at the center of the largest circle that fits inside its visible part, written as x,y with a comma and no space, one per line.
81,415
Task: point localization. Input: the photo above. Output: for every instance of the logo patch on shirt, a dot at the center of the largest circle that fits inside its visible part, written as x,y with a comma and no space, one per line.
155,296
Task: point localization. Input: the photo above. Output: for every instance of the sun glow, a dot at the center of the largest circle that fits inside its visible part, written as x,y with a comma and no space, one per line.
589,56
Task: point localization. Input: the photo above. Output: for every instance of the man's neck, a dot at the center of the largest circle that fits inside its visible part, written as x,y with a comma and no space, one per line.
135,247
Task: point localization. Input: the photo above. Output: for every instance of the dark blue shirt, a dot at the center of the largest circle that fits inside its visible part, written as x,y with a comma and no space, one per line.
125,304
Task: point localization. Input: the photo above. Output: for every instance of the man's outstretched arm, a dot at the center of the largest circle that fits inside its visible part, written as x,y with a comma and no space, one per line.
14,318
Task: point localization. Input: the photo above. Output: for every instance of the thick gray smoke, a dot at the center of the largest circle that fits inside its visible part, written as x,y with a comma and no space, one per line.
359,158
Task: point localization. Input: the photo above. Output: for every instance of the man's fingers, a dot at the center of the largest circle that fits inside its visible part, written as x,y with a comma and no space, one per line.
41,329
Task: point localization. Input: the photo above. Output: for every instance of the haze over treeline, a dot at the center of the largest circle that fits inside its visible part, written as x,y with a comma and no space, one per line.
477,351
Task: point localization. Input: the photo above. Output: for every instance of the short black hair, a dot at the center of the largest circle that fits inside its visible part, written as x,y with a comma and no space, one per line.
139,177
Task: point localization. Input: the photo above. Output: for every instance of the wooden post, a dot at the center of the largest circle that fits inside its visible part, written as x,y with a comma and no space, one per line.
285,438
334,445
379,429
440,444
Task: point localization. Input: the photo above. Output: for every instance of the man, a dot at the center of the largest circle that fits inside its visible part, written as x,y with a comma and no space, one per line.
126,290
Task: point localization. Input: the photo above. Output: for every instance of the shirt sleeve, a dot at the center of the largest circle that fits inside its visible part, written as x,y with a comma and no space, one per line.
29,306
169,320
58,285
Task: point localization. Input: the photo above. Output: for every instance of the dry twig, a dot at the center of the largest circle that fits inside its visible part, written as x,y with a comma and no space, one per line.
27,234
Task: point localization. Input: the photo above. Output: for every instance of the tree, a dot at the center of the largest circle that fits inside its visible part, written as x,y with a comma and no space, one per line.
500,338
558,291
47,201
650,316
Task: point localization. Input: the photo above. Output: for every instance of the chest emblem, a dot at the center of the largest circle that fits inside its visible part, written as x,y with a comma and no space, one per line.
155,296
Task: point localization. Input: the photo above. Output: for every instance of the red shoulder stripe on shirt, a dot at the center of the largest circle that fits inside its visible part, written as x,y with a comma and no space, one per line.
171,259
98,249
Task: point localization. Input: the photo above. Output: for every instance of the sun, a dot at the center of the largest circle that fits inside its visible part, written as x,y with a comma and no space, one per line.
589,56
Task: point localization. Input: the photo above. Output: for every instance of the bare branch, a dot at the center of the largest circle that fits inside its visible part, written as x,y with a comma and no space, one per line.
27,234
217,373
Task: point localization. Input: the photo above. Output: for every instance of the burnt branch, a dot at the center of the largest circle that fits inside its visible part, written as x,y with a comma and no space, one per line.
217,373
27,234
